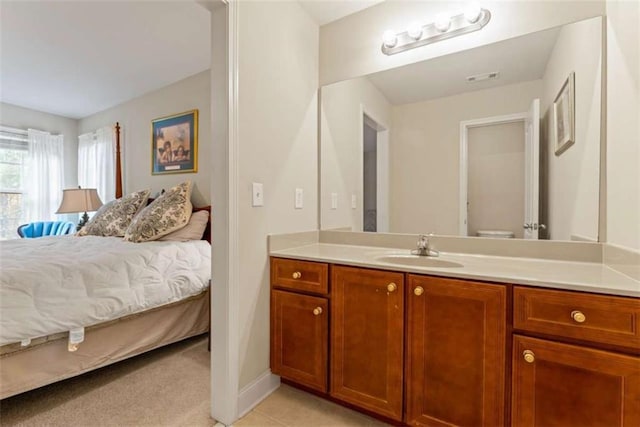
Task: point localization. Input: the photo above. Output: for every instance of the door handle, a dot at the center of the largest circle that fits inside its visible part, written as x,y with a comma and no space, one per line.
534,226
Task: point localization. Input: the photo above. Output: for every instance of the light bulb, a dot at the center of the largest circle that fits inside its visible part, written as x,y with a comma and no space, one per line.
472,12
389,38
443,22
414,30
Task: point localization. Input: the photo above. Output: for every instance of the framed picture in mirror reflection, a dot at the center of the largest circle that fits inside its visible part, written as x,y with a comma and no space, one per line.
564,116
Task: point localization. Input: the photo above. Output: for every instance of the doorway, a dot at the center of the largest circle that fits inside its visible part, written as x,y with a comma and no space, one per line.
369,178
374,175
495,180
506,155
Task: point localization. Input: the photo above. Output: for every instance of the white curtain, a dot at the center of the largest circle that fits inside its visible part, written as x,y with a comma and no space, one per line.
44,176
96,162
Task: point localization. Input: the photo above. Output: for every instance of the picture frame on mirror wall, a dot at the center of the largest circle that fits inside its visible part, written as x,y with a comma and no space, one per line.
174,144
564,116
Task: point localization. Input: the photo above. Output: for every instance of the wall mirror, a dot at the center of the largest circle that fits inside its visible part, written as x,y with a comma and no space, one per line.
465,144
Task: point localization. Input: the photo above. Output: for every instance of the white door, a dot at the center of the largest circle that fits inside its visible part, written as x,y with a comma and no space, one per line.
532,171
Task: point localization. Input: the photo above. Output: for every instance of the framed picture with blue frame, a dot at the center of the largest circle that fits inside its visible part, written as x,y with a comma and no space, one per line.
174,143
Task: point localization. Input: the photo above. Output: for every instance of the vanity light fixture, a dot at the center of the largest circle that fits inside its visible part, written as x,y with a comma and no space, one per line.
414,30
443,22
472,12
389,39
445,26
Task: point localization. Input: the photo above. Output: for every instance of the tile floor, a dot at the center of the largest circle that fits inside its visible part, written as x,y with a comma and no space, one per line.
288,406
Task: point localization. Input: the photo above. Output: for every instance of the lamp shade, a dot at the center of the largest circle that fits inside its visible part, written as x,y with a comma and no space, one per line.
79,200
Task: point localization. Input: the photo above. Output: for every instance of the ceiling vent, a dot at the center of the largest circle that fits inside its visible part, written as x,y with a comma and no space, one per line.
486,76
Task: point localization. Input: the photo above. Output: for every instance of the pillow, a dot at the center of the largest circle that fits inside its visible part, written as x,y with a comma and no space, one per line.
113,218
192,231
169,212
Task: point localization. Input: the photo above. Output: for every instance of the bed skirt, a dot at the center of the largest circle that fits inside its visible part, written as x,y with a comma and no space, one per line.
47,360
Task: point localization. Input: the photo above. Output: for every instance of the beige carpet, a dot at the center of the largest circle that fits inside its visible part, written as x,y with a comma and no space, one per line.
165,387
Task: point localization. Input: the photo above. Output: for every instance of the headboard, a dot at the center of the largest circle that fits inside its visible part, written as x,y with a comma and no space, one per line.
207,231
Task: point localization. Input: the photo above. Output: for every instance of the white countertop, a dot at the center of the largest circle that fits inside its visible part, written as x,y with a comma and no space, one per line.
567,275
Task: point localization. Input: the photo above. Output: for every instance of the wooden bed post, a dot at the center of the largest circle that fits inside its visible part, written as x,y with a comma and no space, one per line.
118,165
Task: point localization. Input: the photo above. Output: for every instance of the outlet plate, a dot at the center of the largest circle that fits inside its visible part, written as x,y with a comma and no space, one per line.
334,200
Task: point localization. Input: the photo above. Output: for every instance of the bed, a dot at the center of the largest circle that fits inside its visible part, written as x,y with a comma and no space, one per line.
117,298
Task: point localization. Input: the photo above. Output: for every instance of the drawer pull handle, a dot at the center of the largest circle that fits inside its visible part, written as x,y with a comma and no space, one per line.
317,311
391,287
578,316
419,290
529,357
296,275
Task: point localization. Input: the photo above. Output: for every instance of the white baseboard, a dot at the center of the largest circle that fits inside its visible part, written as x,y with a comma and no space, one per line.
256,391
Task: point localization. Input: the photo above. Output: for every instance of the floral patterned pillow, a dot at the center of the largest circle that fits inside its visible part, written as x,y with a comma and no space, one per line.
169,212
113,218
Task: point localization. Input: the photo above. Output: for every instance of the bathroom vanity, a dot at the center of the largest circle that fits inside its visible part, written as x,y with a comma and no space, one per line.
462,343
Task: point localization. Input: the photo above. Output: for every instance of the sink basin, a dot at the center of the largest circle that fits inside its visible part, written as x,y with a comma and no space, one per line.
418,261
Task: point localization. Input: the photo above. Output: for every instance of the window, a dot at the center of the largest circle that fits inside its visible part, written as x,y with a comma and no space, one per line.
13,157
31,164
96,162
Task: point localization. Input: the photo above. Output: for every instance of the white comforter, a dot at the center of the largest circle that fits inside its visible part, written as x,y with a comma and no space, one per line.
54,284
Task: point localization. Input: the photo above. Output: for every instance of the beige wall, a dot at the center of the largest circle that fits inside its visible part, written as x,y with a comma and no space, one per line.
573,197
623,124
425,149
277,121
350,47
496,178
341,147
24,118
135,118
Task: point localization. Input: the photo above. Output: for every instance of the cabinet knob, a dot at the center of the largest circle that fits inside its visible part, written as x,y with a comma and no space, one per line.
317,311
578,316
296,275
391,287
529,357
419,290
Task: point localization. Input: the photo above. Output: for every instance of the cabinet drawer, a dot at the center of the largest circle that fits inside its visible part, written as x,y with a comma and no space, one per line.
300,275
589,317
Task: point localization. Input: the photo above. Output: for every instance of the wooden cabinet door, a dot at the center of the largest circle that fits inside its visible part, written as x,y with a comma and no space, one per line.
456,350
299,338
567,385
367,311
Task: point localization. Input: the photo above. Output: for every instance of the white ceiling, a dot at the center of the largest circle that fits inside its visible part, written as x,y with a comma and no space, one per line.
518,60
78,58
326,11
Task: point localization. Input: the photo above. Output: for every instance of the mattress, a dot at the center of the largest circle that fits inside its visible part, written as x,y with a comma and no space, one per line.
55,284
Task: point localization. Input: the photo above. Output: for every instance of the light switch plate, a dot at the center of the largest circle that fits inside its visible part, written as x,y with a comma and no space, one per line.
299,202
334,200
257,198
354,201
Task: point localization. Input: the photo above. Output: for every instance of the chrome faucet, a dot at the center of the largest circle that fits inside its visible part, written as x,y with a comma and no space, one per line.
424,246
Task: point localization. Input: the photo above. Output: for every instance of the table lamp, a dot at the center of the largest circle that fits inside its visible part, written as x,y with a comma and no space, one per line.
75,200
